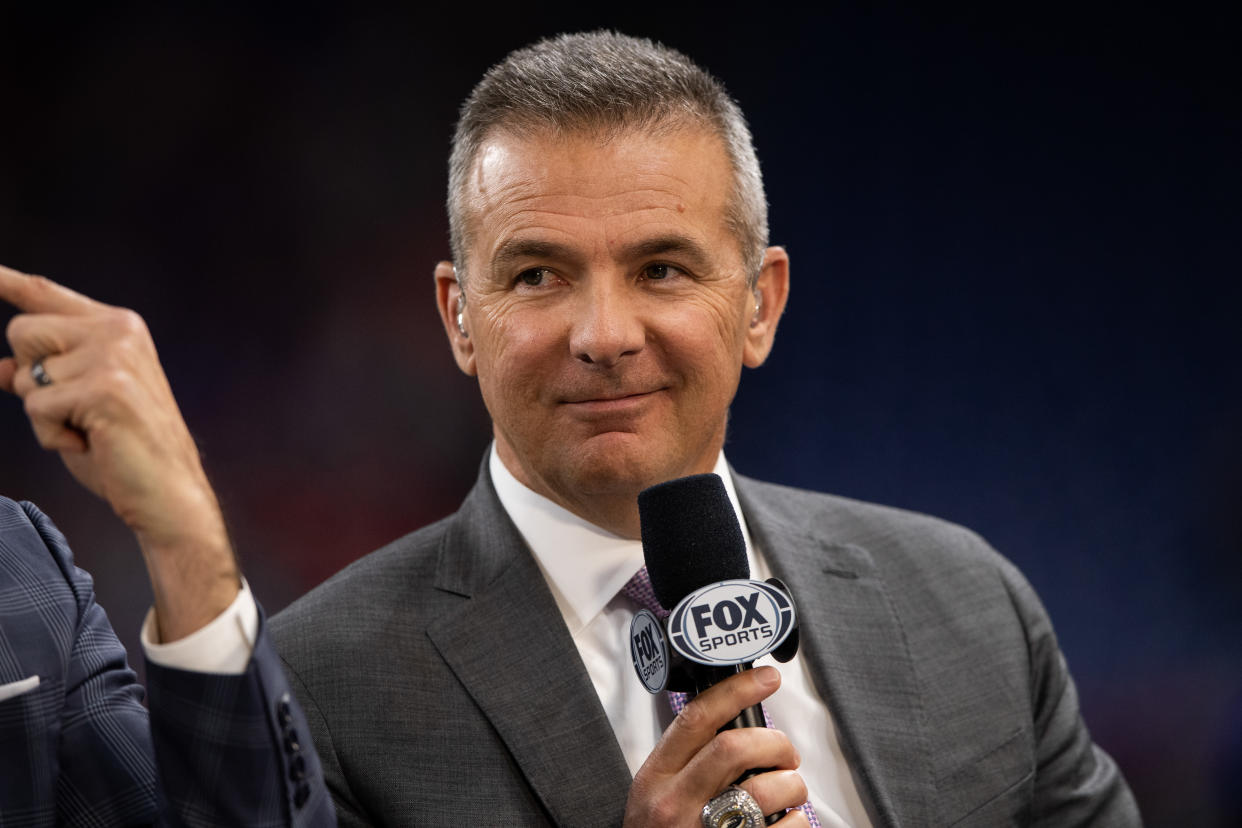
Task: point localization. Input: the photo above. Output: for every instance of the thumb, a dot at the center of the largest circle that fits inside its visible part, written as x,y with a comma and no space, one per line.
8,368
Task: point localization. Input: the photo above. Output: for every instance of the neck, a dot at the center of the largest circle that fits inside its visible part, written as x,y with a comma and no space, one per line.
609,505
617,514
614,510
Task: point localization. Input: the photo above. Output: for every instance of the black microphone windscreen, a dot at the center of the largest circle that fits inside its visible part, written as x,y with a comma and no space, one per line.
690,535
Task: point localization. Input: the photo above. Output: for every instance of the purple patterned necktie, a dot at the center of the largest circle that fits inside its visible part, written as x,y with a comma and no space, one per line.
638,589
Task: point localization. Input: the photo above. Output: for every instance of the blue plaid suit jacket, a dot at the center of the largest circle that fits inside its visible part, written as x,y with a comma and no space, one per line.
76,745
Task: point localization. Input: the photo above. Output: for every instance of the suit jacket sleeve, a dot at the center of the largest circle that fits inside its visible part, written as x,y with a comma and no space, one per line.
78,746
1076,783
235,749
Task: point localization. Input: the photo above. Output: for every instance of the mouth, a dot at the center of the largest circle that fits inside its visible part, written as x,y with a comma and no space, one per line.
608,397
610,402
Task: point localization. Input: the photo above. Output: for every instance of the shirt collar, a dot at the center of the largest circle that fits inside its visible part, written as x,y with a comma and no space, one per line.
584,565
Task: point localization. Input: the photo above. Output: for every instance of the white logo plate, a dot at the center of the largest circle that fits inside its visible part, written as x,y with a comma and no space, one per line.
649,649
731,622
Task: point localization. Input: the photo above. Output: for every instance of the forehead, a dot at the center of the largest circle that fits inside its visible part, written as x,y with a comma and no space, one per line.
594,190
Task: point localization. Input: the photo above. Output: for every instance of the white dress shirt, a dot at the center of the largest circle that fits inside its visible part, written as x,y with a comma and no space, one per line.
586,566
223,646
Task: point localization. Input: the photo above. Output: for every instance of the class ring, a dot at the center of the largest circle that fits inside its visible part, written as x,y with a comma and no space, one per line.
734,808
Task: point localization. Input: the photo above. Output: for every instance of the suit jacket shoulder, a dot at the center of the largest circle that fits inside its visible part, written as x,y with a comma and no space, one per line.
953,699
440,678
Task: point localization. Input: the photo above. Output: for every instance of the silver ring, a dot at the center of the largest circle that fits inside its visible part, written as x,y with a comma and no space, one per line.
734,808
39,374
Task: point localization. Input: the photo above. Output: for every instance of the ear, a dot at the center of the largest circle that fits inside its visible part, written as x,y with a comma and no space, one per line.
773,286
448,294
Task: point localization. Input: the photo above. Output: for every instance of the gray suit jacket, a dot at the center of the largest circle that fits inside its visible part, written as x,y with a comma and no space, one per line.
441,683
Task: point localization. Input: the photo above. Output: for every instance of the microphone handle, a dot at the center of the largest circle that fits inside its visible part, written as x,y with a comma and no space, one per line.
749,717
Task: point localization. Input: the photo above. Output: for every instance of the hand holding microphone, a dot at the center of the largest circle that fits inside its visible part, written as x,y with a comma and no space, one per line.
720,622
695,761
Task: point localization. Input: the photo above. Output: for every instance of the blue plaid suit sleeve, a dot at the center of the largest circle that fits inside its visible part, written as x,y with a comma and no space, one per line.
78,749
239,745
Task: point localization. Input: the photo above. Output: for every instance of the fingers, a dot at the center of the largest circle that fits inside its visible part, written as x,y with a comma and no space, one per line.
50,410
59,368
35,294
709,761
8,370
695,726
35,335
777,790
46,327
794,819
693,763
732,753
55,410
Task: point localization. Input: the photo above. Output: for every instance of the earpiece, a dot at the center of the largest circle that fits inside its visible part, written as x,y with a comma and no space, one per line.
461,309
754,320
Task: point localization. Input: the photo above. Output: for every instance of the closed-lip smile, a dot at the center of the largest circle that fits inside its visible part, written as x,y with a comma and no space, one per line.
609,401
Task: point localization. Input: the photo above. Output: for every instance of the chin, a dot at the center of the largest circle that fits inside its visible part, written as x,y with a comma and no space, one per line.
624,466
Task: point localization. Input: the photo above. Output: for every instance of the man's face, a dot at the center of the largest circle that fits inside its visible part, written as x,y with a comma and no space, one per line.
608,311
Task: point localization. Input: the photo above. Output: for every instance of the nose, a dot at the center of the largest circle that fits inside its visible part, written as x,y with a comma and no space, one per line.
607,324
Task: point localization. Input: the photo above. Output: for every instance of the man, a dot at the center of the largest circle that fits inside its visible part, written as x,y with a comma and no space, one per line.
610,280
226,743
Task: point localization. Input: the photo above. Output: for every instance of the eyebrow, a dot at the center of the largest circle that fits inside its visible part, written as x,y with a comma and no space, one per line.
515,250
666,245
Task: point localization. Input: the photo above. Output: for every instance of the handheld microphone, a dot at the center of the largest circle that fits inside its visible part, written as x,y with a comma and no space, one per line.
720,620
691,538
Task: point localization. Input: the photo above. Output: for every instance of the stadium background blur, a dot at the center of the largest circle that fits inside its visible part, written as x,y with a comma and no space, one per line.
1015,240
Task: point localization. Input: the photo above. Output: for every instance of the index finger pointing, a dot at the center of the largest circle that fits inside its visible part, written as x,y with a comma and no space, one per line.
36,294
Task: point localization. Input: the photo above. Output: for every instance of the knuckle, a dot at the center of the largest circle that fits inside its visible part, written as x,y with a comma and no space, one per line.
729,742
127,322
110,382
16,327
782,740
665,810
725,749
694,716
794,785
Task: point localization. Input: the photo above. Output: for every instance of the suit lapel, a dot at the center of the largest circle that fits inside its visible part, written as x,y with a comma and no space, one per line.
856,650
524,672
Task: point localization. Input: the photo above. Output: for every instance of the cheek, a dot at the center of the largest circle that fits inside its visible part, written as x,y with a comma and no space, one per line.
720,345
514,344
710,330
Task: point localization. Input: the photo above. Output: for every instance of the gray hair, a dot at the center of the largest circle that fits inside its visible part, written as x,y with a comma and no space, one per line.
604,81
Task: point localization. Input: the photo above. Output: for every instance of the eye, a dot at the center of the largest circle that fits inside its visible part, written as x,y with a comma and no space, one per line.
656,272
532,278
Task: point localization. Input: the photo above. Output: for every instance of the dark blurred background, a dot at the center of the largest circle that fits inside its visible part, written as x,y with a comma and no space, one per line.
1015,236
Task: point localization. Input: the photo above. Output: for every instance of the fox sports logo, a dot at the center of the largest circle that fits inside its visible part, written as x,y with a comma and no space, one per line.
731,622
